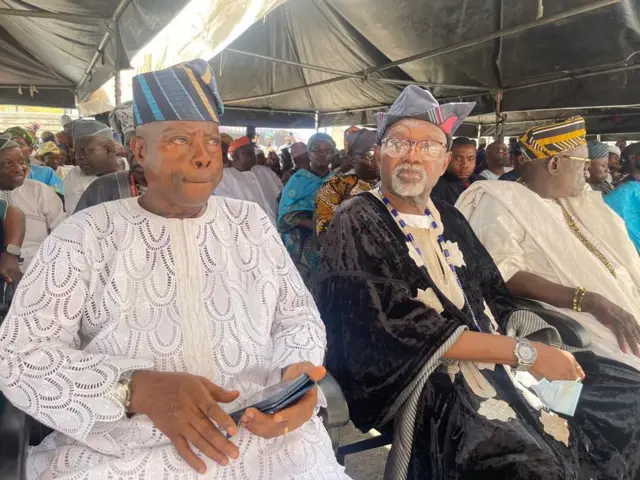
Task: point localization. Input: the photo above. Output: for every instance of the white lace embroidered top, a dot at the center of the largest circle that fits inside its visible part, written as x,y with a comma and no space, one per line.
116,288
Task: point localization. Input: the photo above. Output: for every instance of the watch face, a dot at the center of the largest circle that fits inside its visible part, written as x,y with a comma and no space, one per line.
527,353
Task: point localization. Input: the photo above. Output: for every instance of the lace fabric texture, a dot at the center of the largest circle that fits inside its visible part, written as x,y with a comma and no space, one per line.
116,288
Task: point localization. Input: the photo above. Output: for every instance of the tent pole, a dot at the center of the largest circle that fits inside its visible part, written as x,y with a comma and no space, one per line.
117,79
500,33
356,75
440,51
103,43
433,85
571,76
65,17
295,64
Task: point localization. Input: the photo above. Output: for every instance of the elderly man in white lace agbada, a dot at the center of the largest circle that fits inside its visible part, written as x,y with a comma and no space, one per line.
165,307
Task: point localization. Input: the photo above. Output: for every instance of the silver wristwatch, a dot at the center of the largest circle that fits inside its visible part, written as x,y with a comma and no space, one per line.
525,353
122,389
13,250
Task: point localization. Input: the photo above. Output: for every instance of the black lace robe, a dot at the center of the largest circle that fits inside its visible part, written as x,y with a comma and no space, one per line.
380,337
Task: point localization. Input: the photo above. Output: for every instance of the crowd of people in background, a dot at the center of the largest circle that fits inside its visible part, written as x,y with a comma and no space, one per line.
159,233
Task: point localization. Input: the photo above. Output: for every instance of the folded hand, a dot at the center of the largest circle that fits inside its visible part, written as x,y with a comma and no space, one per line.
292,417
184,407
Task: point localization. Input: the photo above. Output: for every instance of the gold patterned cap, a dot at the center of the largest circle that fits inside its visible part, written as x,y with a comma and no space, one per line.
549,140
48,147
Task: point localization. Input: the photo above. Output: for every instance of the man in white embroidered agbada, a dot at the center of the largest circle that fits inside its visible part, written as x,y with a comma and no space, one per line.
142,321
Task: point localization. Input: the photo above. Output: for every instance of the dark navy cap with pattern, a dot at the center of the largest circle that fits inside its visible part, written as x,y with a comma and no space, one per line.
418,103
184,92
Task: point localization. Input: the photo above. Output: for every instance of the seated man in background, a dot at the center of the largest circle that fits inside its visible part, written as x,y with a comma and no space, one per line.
38,171
364,176
40,204
246,180
122,184
412,303
498,159
95,152
615,166
52,157
518,160
154,333
459,174
599,167
631,163
11,237
558,243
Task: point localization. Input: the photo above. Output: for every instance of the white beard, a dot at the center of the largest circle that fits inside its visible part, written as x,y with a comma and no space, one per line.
408,189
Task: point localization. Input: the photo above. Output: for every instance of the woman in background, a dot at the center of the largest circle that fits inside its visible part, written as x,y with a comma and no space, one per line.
296,222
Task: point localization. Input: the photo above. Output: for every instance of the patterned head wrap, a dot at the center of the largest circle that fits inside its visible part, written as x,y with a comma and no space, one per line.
21,132
89,128
48,147
121,119
615,150
347,134
319,137
239,142
552,139
597,150
418,103
7,142
226,139
186,92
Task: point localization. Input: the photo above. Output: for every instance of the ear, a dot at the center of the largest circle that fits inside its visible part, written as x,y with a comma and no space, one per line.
138,148
553,165
376,149
446,162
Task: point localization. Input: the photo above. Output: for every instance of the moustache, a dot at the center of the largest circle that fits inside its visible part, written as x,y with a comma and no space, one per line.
409,169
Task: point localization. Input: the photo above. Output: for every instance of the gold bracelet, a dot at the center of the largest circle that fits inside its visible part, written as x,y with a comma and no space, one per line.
578,295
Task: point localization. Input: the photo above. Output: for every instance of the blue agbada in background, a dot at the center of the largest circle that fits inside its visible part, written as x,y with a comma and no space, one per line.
625,201
47,176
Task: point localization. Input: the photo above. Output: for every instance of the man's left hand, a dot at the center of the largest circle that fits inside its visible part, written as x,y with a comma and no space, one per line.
291,418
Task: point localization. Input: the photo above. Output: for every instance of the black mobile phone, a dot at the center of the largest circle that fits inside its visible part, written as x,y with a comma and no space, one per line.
277,397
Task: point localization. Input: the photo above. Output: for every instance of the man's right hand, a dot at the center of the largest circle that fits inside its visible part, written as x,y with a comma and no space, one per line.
622,323
555,364
10,268
183,406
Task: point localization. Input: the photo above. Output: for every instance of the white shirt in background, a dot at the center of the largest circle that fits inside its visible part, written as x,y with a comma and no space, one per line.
43,211
489,175
260,185
74,184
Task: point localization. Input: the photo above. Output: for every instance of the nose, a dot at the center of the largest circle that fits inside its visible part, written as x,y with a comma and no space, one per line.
412,155
201,158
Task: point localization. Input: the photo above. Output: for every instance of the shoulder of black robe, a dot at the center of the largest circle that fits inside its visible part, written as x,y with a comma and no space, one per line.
104,189
379,334
447,189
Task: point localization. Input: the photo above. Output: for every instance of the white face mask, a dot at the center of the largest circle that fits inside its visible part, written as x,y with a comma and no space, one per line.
559,395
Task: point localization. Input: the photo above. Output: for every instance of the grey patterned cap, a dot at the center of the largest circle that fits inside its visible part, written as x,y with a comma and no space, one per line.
418,103
90,128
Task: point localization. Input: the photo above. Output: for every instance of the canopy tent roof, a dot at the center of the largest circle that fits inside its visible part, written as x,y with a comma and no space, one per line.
51,49
347,59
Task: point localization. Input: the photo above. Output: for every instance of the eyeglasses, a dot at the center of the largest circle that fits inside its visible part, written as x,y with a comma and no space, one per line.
327,153
370,155
398,147
580,159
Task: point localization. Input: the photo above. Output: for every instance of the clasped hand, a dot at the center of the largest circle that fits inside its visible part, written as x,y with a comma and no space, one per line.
186,409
